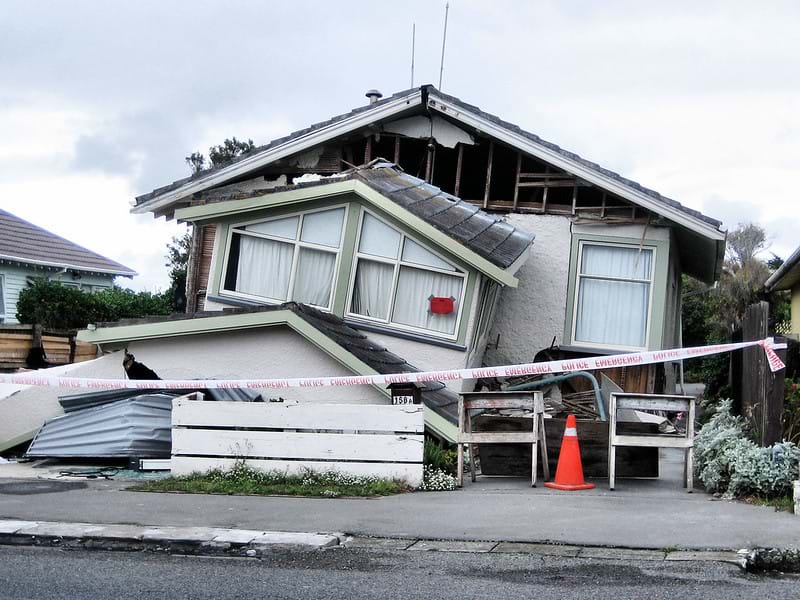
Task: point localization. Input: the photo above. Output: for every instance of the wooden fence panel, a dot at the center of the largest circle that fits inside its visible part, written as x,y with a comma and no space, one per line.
381,440
761,390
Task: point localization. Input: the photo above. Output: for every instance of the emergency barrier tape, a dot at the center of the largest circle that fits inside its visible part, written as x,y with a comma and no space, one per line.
541,368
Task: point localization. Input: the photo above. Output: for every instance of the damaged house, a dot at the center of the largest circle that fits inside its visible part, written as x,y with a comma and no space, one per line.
426,250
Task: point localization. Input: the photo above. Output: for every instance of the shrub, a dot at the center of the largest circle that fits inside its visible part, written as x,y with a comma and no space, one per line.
53,305
791,411
730,463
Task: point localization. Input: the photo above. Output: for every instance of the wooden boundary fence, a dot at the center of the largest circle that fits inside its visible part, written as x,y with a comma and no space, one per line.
381,440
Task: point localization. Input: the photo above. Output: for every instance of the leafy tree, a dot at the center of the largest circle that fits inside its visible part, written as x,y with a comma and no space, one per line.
178,261
220,155
711,315
57,306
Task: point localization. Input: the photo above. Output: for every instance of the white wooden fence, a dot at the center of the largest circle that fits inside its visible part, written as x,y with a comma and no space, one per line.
362,439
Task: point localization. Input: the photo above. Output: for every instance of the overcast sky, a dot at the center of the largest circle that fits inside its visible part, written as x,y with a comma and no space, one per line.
101,101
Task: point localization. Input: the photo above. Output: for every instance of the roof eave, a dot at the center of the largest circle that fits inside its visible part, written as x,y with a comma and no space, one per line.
780,279
312,138
521,142
72,267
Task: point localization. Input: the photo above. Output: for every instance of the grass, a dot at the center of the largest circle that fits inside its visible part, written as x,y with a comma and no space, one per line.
780,503
244,480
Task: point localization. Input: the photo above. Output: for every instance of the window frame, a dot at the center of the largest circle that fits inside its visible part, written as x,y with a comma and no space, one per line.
237,228
397,263
576,280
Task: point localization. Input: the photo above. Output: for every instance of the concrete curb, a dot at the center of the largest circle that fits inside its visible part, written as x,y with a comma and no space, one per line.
215,541
174,540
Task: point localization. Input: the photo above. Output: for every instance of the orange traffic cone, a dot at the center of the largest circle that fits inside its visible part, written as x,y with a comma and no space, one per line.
569,472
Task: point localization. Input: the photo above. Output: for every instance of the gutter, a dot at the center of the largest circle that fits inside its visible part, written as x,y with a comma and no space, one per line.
64,266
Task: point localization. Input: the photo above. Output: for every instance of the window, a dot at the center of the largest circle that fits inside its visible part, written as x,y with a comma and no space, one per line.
395,278
2,299
287,258
613,295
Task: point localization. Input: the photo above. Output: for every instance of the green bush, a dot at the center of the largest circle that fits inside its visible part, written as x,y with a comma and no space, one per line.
53,305
730,463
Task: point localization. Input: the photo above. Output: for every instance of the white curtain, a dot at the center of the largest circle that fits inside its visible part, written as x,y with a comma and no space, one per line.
613,312
264,268
314,277
373,289
412,304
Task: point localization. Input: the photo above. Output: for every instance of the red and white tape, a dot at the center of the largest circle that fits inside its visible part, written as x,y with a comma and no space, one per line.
540,368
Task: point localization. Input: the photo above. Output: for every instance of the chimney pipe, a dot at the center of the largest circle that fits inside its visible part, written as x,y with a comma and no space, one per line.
373,95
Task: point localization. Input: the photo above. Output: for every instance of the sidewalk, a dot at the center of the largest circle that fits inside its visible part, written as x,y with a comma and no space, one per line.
643,514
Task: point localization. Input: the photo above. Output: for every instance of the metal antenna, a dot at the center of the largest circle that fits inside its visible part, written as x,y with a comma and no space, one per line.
413,44
444,39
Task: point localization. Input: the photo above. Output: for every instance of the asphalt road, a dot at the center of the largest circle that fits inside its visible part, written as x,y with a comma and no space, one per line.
33,573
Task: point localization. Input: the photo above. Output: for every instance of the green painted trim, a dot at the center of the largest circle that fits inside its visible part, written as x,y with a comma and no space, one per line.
231,208
346,256
659,285
441,426
340,297
224,210
468,307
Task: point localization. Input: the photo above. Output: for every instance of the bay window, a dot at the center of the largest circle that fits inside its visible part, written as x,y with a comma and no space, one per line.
287,258
613,295
396,279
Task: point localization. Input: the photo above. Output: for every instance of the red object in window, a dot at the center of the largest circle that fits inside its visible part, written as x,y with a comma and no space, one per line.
441,306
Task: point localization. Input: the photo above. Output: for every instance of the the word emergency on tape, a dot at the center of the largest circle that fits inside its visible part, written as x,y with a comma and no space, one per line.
553,366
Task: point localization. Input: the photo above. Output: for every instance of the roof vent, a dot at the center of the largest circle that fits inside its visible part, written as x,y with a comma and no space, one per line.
373,95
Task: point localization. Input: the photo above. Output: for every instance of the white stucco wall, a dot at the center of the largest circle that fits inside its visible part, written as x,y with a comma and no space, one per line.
264,353
529,316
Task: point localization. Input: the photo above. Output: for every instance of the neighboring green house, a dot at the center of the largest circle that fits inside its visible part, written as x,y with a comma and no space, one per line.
787,277
28,251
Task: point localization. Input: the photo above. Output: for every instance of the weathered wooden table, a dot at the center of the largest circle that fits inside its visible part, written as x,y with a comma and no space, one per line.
532,401
652,402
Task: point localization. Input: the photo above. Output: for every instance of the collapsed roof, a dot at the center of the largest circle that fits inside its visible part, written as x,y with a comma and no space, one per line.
579,186
371,357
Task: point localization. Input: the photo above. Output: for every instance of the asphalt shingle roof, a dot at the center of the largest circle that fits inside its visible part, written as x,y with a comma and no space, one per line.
25,242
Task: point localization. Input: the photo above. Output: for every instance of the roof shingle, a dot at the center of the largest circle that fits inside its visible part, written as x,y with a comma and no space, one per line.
25,242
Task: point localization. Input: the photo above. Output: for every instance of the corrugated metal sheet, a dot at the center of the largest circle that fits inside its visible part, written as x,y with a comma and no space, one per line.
135,427
77,402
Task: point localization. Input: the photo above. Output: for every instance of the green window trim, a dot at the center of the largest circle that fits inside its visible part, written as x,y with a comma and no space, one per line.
239,228
345,266
398,264
658,286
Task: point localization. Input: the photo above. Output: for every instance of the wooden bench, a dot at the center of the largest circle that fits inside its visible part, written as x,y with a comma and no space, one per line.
685,404
532,401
